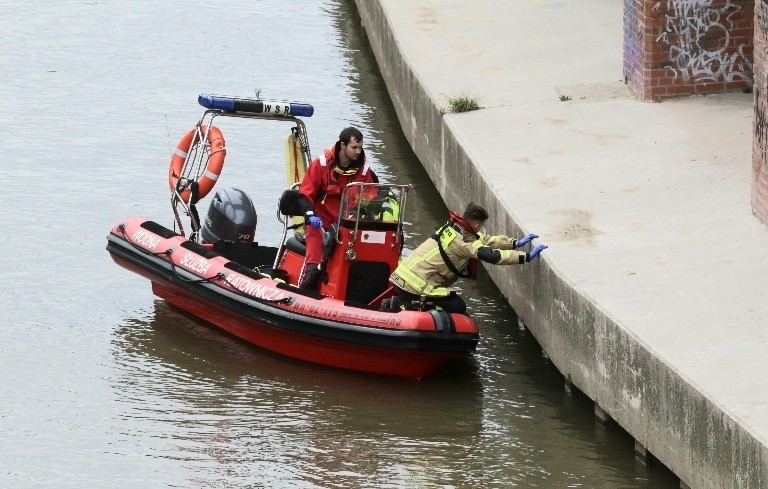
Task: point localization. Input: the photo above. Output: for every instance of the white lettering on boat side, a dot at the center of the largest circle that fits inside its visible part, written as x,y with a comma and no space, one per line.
255,289
145,239
195,264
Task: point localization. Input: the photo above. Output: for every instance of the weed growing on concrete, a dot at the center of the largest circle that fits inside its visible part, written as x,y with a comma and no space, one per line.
565,98
463,103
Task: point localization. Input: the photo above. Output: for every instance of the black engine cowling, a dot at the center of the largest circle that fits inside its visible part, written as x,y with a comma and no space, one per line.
231,217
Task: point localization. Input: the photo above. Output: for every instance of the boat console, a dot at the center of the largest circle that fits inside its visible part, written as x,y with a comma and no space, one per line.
361,250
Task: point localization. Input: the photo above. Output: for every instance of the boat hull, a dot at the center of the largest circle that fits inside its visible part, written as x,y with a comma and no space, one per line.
408,344
405,363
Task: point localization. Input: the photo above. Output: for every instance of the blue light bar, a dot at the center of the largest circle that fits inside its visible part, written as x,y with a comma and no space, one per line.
211,102
253,106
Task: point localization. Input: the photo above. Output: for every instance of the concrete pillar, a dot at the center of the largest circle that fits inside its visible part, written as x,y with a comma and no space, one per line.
521,325
602,417
760,119
642,453
684,47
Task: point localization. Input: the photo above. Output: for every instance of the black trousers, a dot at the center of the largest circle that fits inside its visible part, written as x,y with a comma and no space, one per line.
452,303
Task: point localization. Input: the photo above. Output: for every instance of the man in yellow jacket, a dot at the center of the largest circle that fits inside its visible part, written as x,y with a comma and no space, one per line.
452,253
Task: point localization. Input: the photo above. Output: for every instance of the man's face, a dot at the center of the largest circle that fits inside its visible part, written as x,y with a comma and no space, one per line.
351,152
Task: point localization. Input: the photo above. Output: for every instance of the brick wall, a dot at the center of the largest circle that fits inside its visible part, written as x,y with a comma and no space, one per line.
760,119
683,47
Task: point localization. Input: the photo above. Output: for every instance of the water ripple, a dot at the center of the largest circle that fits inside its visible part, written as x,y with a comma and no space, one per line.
105,386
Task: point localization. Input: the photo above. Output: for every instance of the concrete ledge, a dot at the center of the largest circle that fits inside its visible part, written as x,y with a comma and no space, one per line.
662,410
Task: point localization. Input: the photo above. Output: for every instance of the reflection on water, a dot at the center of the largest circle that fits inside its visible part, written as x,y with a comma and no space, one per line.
105,386
245,412
234,414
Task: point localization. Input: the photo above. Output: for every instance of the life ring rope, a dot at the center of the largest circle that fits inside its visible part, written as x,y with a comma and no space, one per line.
193,162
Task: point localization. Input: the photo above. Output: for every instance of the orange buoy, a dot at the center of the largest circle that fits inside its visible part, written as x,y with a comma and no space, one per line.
216,153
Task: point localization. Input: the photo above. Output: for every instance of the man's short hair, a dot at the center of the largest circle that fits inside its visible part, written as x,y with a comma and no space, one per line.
348,133
475,212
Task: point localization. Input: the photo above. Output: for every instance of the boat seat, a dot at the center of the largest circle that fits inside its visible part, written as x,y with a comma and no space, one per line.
289,203
296,246
249,255
289,206
329,241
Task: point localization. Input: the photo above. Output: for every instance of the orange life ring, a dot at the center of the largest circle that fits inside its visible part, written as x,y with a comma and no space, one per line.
216,154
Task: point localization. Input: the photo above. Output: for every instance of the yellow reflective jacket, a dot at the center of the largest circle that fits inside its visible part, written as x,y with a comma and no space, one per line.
425,272
390,209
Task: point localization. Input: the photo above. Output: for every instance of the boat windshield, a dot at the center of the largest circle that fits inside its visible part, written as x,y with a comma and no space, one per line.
379,202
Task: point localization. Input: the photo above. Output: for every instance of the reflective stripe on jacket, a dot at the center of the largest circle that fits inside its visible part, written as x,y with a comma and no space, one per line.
425,272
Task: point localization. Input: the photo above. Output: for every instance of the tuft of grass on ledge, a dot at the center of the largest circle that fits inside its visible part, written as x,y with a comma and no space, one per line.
565,98
463,103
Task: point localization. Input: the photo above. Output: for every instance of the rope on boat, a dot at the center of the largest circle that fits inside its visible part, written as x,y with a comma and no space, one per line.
218,276
121,228
167,253
284,300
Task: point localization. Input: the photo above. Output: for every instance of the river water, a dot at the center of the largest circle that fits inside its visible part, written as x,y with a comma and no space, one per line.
104,385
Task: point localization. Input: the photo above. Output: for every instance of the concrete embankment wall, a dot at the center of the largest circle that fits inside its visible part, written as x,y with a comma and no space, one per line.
681,426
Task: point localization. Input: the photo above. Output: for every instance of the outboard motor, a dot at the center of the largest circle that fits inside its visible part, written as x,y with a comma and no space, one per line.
231,217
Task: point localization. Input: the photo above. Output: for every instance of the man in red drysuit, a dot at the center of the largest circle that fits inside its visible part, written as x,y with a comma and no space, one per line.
320,194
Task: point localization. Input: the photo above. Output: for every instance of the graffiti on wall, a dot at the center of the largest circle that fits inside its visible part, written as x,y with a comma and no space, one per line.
760,122
760,119
698,35
633,41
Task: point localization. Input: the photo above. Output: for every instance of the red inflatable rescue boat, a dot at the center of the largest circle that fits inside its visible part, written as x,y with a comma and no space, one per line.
221,275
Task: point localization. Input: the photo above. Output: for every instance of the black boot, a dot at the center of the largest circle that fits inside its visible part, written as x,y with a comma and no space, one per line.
311,275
